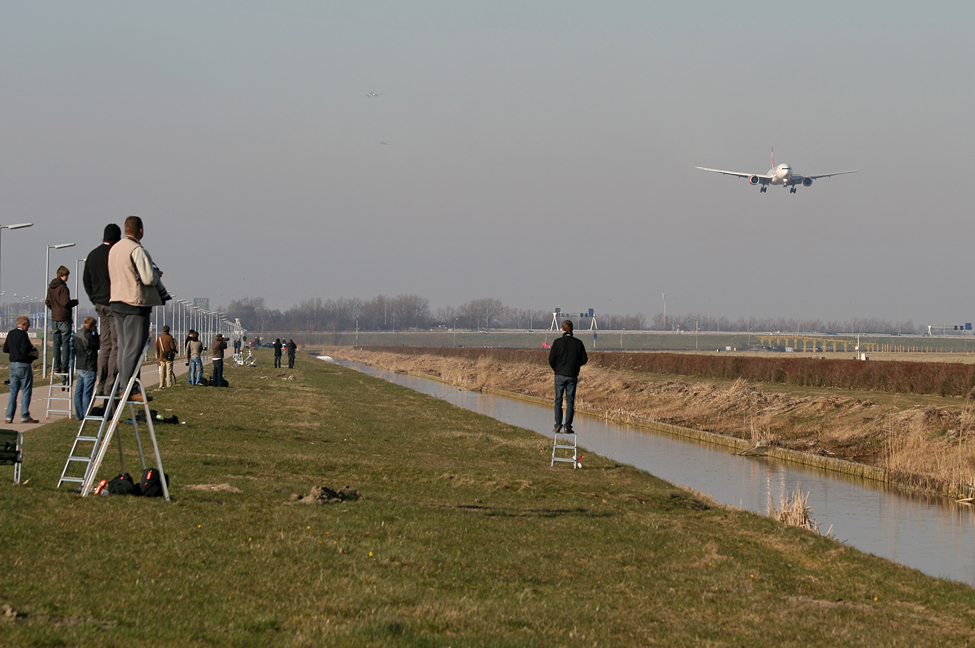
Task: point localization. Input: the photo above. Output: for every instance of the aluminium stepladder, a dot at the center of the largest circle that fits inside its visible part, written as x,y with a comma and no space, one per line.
114,412
562,442
65,385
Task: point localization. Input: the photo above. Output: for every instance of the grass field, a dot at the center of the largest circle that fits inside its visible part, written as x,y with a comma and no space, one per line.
463,536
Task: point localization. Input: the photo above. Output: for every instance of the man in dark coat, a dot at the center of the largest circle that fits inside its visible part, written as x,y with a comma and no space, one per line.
86,343
22,353
60,302
566,357
292,348
277,352
98,287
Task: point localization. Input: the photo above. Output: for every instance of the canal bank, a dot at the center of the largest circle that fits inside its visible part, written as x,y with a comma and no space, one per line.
925,532
918,443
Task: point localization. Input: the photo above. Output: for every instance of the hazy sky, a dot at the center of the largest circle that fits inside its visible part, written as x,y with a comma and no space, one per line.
541,153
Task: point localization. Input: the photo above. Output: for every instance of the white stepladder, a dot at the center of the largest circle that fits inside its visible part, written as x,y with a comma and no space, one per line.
114,411
65,385
562,442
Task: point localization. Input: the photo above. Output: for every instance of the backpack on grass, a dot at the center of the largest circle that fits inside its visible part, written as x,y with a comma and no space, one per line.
122,484
150,485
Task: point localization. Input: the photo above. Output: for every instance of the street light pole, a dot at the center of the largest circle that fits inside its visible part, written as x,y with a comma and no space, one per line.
17,226
47,269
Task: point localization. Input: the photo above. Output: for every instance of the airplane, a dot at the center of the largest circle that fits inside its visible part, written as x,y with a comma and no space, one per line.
373,94
777,175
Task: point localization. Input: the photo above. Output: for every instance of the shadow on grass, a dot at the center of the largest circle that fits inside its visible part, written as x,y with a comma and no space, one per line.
491,511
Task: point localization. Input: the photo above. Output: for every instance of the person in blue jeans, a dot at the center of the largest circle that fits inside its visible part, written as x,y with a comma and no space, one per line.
22,354
194,355
86,344
566,357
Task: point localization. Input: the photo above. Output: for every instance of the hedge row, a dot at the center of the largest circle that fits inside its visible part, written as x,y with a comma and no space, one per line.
943,379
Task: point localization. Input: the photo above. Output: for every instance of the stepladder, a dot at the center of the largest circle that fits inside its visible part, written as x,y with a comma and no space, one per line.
100,427
565,448
60,392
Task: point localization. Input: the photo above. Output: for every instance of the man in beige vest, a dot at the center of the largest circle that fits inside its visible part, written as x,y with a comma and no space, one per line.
136,288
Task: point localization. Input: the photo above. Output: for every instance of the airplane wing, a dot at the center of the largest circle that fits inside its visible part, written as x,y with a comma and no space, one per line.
827,175
735,173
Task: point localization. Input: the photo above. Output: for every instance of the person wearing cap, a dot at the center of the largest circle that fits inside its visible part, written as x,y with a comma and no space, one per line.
136,286
566,357
98,287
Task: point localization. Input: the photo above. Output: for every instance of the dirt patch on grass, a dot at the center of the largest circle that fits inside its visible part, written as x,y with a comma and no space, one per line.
325,495
213,488
930,447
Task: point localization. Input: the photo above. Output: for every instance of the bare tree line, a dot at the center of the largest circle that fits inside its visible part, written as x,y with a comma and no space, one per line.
412,312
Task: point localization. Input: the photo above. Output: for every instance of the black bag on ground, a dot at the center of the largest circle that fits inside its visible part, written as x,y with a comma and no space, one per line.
150,485
122,484
140,416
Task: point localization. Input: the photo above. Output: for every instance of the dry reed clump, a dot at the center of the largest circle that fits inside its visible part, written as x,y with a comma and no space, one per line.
794,510
931,442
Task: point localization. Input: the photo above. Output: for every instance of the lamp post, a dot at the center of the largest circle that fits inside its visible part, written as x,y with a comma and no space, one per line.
76,262
47,269
17,226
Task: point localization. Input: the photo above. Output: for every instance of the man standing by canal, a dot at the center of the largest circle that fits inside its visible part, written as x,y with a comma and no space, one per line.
566,357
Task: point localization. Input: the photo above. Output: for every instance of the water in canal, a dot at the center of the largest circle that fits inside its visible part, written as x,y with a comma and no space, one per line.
931,534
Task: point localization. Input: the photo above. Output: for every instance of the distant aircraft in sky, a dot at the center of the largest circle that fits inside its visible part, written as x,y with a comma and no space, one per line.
385,143
373,94
777,175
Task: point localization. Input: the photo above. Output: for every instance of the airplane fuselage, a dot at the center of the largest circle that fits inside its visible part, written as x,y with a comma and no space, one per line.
781,174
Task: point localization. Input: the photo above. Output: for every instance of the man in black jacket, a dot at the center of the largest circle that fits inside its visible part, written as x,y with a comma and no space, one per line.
98,287
565,358
22,353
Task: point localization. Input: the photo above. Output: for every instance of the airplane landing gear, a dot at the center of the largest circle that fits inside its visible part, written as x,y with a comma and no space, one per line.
762,190
792,189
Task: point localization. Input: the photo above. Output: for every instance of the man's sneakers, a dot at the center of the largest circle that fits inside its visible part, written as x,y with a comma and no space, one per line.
568,430
556,429
29,420
8,420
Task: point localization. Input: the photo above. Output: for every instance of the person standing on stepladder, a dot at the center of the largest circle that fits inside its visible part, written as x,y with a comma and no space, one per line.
566,357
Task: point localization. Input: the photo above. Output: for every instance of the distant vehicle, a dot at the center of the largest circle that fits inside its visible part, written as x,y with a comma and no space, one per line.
777,175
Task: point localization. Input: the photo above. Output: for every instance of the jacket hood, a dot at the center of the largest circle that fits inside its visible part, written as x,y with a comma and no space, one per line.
56,282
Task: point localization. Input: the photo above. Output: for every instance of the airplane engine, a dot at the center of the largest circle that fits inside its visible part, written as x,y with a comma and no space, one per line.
807,182
753,180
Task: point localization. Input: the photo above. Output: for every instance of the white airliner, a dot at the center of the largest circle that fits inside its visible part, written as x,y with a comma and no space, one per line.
777,175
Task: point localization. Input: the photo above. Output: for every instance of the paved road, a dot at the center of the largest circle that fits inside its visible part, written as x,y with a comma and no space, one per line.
38,403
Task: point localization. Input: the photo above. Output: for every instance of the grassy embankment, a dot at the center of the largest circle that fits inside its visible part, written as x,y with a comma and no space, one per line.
464,536
924,441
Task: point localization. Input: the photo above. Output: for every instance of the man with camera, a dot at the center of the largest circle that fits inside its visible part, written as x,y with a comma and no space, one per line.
136,288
